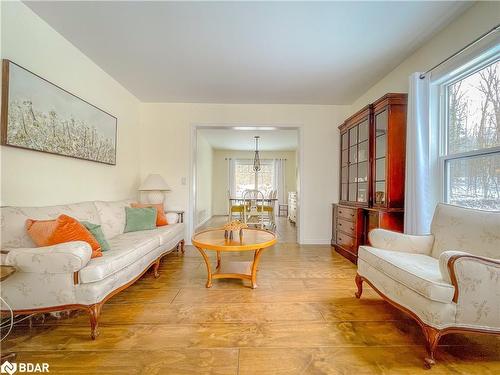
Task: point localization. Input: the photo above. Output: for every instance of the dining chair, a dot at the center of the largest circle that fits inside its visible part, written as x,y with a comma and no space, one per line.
235,207
253,208
269,207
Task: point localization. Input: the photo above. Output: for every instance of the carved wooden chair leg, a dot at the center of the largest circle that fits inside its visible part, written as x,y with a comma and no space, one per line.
94,313
359,284
156,268
182,246
432,336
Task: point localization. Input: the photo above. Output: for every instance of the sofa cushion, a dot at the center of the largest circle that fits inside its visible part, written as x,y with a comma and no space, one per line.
112,216
125,249
61,230
138,219
416,271
161,219
98,234
128,248
465,229
13,220
169,232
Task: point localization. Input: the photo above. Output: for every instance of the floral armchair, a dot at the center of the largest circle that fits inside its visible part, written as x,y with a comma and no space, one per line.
448,281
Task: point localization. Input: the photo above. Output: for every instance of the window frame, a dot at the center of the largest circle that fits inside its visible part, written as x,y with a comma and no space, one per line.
444,157
244,161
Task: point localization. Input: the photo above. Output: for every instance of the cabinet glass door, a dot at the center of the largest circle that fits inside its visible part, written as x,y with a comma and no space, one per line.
379,174
355,163
344,163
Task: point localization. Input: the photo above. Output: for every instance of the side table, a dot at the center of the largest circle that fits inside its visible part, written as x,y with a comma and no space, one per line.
180,213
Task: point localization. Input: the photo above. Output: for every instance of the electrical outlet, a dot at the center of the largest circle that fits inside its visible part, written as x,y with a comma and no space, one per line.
183,181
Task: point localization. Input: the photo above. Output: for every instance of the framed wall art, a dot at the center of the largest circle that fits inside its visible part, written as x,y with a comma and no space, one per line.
39,115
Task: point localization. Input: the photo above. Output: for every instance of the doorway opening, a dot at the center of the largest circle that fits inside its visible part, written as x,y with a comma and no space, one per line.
224,168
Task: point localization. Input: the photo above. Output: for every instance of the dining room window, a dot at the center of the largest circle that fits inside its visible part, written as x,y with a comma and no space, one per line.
470,138
247,179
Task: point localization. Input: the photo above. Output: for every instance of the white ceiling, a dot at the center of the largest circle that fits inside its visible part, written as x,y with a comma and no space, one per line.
228,139
248,52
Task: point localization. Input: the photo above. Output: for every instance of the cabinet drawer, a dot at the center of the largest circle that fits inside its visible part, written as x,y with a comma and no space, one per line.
345,241
348,227
347,213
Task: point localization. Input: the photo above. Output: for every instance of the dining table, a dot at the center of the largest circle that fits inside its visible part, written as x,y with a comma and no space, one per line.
253,199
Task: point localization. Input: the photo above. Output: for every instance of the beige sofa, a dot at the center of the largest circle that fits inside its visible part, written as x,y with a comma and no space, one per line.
63,276
448,281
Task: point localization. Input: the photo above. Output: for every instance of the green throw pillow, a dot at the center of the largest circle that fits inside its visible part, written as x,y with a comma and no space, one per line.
140,219
97,233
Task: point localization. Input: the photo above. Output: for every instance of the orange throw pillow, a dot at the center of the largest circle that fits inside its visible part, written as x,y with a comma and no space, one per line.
63,229
161,219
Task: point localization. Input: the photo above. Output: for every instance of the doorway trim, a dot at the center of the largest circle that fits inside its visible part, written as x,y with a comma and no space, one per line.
230,126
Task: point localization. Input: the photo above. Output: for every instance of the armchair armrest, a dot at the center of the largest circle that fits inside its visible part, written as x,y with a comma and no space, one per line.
389,240
62,258
469,274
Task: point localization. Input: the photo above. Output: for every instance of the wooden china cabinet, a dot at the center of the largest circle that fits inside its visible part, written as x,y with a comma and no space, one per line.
372,173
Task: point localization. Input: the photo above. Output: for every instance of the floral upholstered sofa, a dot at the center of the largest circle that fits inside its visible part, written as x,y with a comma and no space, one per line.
448,281
63,277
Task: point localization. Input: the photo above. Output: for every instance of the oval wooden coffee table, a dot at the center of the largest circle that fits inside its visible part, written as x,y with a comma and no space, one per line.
256,240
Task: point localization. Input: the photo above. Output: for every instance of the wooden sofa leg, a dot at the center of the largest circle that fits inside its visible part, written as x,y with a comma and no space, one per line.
94,314
156,268
182,246
432,336
359,284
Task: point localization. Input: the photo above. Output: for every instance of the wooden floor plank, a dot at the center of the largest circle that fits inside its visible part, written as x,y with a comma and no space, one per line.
217,335
247,295
136,362
361,360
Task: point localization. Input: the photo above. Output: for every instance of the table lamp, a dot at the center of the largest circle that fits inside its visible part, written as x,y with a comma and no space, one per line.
154,185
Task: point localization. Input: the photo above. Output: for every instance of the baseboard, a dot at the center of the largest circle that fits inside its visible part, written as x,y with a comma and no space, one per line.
326,241
203,222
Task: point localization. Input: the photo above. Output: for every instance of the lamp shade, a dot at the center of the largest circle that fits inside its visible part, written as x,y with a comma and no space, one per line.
154,182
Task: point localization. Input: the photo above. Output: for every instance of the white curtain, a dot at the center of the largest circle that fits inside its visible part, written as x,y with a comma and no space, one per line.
231,181
418,189
280,180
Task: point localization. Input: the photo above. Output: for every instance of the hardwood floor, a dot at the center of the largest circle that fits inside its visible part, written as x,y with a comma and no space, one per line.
302,319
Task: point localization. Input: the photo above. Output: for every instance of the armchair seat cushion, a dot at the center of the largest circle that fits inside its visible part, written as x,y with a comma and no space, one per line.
418,272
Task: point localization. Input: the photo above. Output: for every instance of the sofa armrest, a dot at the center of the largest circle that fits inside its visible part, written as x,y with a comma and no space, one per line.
389,240
62,258
471,275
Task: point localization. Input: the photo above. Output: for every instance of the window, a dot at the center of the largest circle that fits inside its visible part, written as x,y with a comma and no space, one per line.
246,178
470,144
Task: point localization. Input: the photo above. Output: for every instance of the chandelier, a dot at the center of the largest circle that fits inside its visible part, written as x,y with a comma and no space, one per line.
256,159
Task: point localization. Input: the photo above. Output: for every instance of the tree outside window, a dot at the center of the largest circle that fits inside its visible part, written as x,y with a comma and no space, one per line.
247,179
472,155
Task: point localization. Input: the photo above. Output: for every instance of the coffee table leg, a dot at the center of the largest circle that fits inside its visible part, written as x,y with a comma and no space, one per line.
209,269
218,259
255,264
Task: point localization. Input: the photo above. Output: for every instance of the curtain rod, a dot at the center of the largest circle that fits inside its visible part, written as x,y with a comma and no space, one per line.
494,29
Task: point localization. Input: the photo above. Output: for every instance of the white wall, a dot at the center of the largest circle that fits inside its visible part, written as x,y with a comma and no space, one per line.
221,173
480,18
204,173
166,147
34,178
